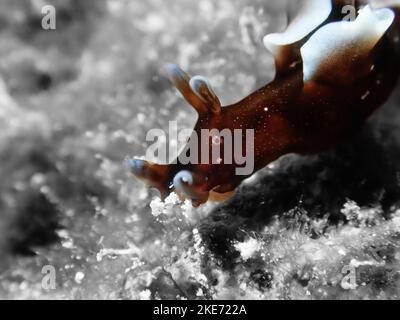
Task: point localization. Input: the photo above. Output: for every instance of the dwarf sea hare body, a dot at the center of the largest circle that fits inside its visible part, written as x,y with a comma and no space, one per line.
331,75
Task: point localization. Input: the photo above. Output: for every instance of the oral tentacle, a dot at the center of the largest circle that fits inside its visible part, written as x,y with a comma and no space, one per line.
136,167
154,175
189,185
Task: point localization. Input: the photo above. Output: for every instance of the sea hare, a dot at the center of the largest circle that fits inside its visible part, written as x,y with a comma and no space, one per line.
331,75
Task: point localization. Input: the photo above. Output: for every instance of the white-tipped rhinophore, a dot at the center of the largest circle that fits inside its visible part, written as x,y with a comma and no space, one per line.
202,88
197,90
187,185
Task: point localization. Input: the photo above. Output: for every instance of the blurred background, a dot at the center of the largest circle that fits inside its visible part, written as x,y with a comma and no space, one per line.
78,100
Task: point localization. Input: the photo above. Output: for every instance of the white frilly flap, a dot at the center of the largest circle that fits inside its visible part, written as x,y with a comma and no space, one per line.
312,14
340,52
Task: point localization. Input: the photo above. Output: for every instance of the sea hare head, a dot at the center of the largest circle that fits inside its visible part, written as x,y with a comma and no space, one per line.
186,184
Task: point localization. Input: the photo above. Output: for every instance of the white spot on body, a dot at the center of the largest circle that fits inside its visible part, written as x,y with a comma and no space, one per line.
216,140
365,95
